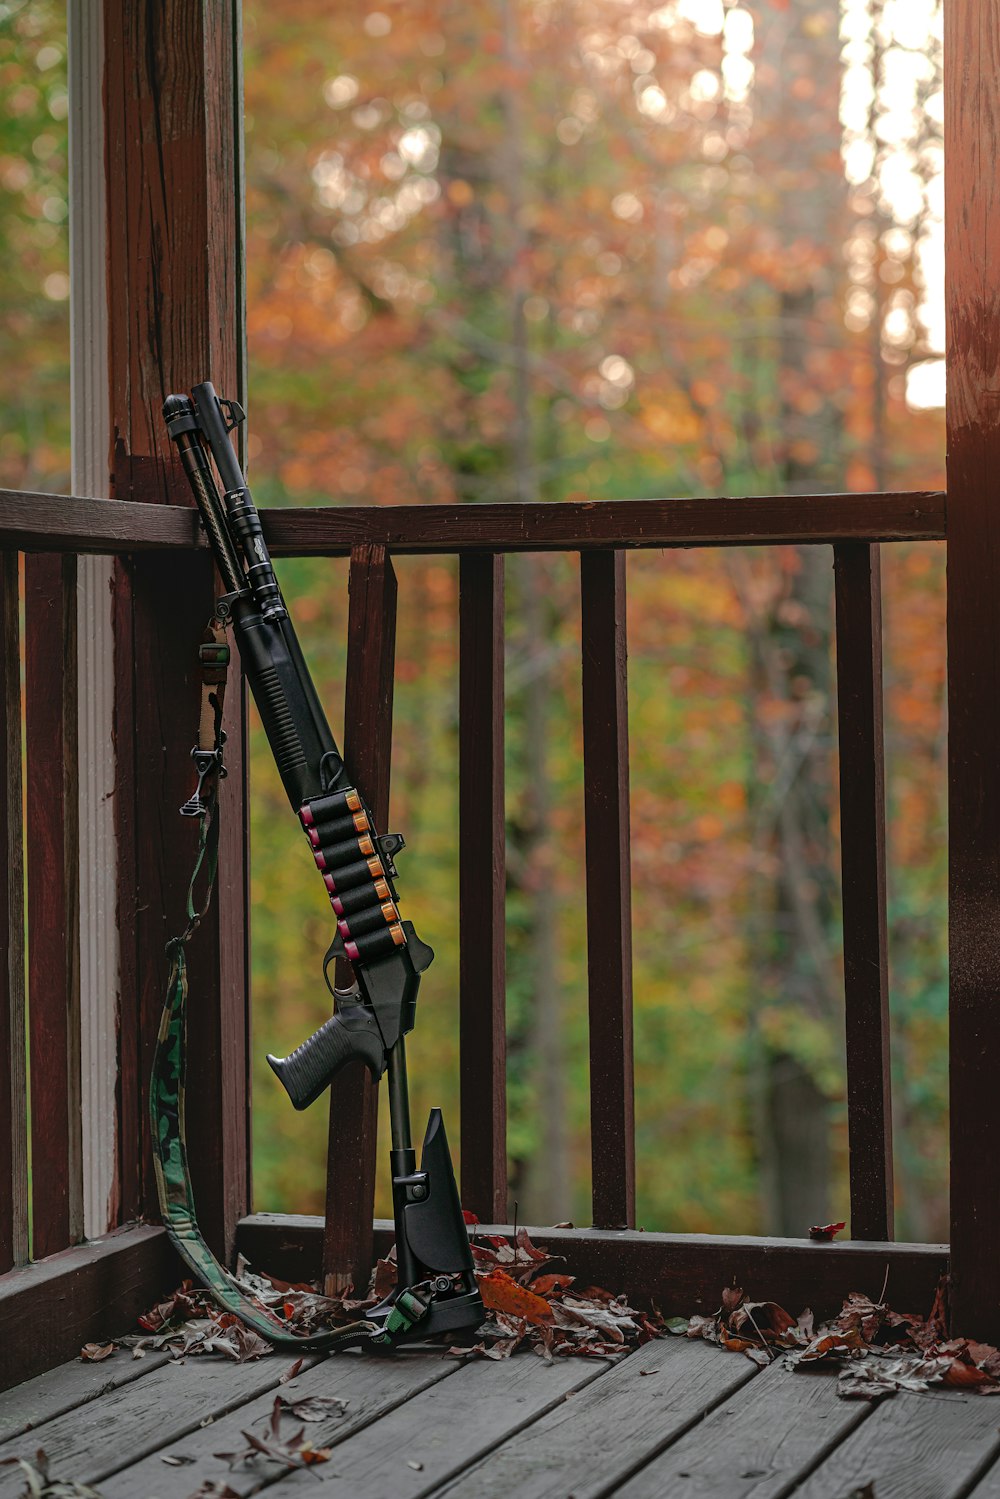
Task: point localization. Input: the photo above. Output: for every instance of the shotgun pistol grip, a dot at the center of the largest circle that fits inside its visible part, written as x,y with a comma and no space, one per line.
351,1035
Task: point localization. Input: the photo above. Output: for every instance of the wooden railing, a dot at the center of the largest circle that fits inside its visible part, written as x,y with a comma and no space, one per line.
164,579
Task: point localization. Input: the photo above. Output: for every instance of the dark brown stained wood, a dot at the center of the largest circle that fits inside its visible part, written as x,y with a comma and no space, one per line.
482,882
862,844
174,218
572,525
43,522
757,1442
352,1159
609,887
164,697
63,1389
67,523
53,894
100,1438
13,1081
435,1436
972,299
92,1292
175,299
588,1445
912,1447
685,1273
371,1388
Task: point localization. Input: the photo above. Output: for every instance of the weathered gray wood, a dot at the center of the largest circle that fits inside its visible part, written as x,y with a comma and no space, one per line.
989,1486
39,1400
756,1443
912,1447
96,1440
589,1444
447,1428
371,1386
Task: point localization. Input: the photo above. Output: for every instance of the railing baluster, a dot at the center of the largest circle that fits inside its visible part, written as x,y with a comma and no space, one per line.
862,841
482,860
53,883
13,1082
609,898
351,1163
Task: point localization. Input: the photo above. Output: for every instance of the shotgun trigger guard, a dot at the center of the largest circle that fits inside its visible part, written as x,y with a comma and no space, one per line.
333,952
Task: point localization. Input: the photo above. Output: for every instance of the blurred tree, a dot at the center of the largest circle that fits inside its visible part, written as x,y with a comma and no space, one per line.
34,247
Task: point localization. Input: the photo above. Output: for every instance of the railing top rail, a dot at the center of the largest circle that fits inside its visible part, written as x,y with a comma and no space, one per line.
45,522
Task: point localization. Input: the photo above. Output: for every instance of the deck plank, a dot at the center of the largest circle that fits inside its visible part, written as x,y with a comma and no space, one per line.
447,1428
989,1485
913,1446
95,1440
371,1386
599,1438
755,1444
30,1405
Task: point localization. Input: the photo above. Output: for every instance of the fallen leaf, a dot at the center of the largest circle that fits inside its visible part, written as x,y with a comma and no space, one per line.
315,1407
501,1293
42,1485
548,1285
826,1231
93,1353
311,1455
965,1376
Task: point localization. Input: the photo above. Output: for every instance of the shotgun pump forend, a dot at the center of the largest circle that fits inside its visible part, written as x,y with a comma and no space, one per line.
357,866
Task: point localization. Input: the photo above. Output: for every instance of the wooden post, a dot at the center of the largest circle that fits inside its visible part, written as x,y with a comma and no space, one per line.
13,1090
972,251
91,441
862,841
53,890
482,856
609,889
173,189
352,1159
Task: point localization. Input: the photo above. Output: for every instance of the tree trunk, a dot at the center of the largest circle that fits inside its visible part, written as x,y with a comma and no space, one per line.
793,950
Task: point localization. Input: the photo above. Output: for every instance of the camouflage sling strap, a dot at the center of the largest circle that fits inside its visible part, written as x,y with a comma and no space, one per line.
166,1098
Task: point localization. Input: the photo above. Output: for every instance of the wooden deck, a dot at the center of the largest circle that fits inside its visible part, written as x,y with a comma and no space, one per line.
674,1418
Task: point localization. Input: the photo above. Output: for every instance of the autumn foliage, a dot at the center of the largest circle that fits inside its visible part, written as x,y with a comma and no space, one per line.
538,252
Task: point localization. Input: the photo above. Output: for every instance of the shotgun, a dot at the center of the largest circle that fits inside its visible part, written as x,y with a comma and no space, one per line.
436,1288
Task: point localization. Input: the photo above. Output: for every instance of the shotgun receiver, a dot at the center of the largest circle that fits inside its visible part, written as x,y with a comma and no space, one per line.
357,865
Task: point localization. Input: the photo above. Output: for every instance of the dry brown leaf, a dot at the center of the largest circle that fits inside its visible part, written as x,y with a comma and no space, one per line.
502,1294
551,1285
94,1353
